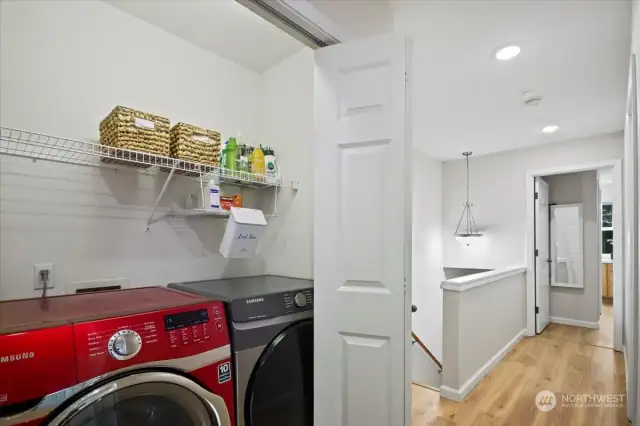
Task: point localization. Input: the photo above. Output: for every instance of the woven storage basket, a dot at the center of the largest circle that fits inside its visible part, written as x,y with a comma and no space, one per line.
193,143
137,130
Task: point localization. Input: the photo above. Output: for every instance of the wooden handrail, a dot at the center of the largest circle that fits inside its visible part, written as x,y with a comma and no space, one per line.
428,352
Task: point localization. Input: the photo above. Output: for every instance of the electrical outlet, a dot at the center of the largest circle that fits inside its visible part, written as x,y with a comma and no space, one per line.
43,268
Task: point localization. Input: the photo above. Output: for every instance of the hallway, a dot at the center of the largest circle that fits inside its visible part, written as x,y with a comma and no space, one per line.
587,336
563,359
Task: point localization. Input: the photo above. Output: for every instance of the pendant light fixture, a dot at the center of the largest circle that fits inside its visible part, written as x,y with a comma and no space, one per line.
466,231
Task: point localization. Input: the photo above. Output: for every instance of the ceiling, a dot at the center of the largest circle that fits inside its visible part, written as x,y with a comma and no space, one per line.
574,53
221,26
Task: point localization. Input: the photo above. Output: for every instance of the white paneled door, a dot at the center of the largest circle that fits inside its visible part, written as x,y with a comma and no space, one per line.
362,235
542,254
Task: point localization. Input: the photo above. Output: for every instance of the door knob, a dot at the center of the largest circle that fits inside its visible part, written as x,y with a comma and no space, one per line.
414,308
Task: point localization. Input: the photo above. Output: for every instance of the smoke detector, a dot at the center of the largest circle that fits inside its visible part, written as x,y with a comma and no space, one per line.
531,99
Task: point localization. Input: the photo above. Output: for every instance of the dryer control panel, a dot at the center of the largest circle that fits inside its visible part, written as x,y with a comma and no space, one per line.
111,344
271,305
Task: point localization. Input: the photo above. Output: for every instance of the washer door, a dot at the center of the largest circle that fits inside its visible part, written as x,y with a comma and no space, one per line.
146,399
280,391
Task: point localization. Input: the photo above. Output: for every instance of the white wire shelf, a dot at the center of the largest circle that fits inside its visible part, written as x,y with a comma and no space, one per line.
40,146
222,214
215,214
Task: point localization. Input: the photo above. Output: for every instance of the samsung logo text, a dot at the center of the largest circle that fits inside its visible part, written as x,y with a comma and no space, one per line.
17,357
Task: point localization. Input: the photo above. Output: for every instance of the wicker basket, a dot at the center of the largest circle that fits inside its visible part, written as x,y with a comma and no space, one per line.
193,143
132,129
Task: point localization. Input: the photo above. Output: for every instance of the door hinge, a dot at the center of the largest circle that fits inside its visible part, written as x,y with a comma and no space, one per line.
536,252
405,77
537,310
535,196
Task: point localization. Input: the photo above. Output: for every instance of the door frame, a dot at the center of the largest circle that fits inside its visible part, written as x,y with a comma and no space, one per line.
617,224
632,236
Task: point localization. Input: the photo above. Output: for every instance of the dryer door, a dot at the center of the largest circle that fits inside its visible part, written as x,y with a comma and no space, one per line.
280,390
146,399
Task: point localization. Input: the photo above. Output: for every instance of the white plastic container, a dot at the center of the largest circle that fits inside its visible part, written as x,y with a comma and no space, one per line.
214,195
243,233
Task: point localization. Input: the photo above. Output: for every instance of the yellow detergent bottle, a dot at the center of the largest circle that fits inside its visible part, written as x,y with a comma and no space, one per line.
257,163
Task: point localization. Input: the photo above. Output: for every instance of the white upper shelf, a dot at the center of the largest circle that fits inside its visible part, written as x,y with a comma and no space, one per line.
39,146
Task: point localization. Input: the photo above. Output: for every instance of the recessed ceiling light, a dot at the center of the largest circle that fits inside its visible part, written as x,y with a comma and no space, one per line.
550,129
507,53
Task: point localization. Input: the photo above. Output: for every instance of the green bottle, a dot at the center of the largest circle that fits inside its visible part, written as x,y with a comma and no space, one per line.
230,153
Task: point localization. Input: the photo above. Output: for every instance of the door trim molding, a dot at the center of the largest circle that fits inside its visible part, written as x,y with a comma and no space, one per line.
618,266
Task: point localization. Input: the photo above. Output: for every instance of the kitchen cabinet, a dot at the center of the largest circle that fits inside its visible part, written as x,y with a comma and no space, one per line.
607,280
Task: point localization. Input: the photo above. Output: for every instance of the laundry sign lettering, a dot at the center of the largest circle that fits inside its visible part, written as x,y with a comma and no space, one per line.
247,236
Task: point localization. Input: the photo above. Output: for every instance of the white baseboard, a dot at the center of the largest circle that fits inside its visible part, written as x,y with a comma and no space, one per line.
459,395
576,323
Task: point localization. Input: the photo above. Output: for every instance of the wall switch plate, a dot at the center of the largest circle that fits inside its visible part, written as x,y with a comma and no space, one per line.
37,268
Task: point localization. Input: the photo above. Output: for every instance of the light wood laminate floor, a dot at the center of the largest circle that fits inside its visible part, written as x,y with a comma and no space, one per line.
602,337
559,362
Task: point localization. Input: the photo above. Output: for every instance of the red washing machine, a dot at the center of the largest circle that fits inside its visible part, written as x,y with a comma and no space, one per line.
142,357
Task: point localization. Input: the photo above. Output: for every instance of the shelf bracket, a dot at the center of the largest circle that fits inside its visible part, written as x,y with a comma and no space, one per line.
164,188
275,201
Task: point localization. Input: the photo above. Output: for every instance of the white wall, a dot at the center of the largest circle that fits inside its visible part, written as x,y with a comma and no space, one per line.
63,67
427,271
480,325
66,64
580,304
498,195
605,180
286,124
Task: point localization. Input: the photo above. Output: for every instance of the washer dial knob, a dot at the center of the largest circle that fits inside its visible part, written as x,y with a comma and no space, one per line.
125,344
300,300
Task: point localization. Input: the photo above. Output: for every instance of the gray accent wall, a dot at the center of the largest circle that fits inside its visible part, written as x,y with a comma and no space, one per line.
580,304
498,194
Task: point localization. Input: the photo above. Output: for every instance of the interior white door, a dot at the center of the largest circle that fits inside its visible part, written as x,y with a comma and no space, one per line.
542,254
362,235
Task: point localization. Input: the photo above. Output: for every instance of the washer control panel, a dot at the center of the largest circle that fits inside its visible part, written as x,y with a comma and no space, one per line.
271,305
298,300
111,344
186,328
125,344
